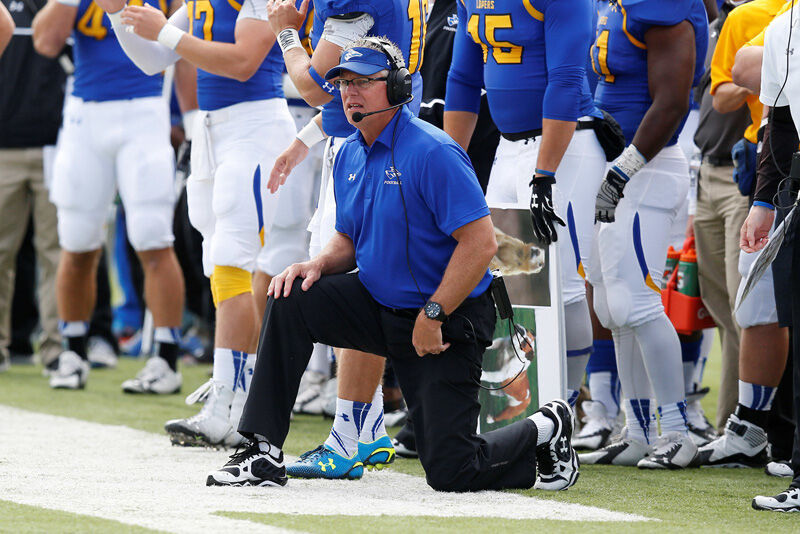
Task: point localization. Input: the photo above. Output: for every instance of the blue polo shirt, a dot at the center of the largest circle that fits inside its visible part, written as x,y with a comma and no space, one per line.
441,195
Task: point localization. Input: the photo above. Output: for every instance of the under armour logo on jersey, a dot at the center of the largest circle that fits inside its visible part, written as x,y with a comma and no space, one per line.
350,54
330,464
329,88
352,177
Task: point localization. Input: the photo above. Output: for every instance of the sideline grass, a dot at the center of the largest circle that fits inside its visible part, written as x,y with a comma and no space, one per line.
21,518
713,500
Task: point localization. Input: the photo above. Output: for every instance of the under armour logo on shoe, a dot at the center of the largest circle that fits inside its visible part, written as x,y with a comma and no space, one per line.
329,464
564,445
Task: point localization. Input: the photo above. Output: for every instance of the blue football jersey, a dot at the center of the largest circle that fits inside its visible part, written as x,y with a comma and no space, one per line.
102,70
215,20
401,21
619,54
531,57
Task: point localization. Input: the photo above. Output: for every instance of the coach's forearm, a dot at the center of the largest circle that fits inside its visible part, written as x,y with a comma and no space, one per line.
338,256
476,247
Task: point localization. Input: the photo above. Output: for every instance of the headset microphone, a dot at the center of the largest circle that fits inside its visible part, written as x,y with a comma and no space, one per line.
358,116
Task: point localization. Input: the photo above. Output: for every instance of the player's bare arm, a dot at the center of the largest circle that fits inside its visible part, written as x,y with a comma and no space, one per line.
746,70
283,16
6,28
238,60
670,67
556,136
52,26
460,125
295,153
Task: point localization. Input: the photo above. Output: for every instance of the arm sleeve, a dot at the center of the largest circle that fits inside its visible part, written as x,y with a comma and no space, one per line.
567,36
780,139
253,9
773,71
728,44
150,56
342,32
450,188
465,77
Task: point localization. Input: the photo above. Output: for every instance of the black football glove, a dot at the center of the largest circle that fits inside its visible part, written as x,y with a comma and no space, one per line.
543,216
608,197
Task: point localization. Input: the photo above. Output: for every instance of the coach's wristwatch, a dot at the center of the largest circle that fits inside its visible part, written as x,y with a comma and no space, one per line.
434,310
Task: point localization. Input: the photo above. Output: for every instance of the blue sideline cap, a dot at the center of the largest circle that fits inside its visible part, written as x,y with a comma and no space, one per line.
364,61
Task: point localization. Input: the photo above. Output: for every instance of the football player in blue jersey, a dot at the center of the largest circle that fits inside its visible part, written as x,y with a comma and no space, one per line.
115,137
242,114
337,24
648,55
531,56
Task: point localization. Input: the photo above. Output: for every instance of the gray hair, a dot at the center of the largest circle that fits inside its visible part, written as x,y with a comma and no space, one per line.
381,44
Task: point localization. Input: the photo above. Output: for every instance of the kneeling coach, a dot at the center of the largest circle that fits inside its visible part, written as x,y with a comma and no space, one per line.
411,217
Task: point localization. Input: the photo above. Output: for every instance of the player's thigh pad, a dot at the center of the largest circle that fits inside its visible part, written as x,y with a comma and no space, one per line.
632,250
146,178
83,181
513,167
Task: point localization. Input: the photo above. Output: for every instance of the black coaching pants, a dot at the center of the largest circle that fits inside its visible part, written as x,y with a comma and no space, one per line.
441,390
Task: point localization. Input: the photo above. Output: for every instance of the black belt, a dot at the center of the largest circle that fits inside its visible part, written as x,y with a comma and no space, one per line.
532,134
714,161
408,313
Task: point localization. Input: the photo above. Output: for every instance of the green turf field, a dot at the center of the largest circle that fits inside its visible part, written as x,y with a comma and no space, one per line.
707,500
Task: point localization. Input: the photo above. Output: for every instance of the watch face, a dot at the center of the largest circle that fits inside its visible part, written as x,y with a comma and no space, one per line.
432,310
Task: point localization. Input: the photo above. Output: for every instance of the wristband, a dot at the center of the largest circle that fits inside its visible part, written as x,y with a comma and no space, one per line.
170,36
325,85
763,204
288,39
311,134
188,122
540,172
71,3
629,162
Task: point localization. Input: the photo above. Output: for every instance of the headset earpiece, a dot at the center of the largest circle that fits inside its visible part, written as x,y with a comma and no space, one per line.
398,81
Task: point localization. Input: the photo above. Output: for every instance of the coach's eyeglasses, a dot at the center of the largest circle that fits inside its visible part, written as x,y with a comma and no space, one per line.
360,83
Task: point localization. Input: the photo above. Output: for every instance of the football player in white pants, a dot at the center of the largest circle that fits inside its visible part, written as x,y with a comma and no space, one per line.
115,138
242,117
648,93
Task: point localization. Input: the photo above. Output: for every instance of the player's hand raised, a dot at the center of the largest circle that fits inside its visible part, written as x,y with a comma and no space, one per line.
543,215
288,160
608,197
282,14
146,20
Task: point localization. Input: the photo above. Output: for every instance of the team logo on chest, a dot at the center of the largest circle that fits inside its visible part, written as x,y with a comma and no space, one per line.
393,176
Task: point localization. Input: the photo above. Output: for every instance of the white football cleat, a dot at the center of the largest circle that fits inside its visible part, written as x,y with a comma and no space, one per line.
156,377
212,425
625,451
308,395
700,430
597,427
250,467
781,469
672,450
71,373
101,353
786,501
742,445
556,461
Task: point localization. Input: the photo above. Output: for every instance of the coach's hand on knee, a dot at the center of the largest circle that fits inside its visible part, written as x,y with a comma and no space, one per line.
281,285
427,336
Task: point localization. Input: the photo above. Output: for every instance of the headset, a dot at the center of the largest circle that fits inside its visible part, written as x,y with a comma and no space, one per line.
399,89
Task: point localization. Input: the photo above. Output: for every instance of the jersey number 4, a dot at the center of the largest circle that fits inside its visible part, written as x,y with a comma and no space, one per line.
91,23
599,55
503,52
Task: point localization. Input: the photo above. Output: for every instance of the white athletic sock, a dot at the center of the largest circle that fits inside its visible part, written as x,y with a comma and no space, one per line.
579,345
673,418
249,369
605,388
374,428
167,334
705,350
544,427
347,425
320,361
756,397
265,446
639,420
229,367
661,354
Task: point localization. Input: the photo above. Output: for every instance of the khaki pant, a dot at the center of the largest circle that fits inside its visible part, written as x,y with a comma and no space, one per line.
22,193
721,210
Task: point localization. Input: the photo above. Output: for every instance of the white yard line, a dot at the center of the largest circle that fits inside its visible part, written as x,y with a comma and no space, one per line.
136,477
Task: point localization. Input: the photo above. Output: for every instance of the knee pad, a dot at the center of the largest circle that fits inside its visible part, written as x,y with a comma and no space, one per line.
80,231
150,226
228,282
